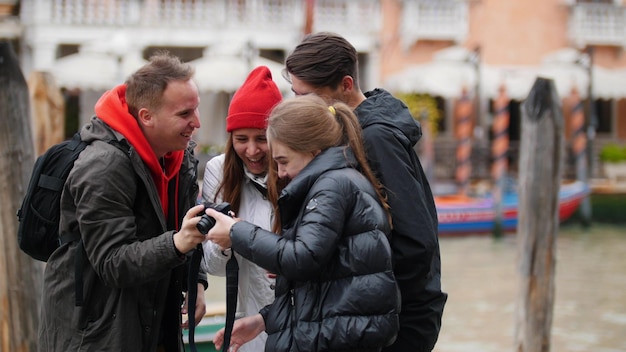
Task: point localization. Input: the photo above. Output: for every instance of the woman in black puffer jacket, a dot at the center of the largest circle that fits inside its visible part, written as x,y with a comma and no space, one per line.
335,289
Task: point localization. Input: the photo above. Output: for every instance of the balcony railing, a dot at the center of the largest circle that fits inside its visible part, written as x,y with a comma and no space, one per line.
170,13
598,24
344,16
434,20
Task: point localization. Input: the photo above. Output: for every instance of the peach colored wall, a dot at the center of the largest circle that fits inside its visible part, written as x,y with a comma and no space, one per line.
509,32
609,57
512,32
393,57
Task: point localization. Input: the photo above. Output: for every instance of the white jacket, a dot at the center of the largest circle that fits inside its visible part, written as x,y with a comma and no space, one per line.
255,287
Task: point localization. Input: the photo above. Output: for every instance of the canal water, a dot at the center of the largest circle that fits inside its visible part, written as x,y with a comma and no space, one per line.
481,278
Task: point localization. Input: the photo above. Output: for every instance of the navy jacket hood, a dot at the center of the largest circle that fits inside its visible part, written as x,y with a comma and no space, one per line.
396,114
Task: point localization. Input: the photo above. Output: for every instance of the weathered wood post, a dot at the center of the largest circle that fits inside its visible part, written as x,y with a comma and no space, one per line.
48,110
20,276
541,149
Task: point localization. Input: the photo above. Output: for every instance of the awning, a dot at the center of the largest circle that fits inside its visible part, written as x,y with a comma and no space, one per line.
569,68
451,71
445,79
226,71
99,64
446,76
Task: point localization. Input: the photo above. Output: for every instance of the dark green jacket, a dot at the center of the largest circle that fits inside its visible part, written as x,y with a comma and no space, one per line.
133,276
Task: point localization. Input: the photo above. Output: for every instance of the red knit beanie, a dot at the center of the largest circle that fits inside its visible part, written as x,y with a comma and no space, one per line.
253,101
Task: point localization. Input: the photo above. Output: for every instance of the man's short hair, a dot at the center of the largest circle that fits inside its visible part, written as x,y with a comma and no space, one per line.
145,87
322,60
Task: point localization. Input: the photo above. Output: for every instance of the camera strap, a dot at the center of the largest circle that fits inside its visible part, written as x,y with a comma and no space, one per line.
232,281
192,294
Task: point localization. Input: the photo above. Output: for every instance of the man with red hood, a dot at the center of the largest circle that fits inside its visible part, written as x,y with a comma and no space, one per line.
128,209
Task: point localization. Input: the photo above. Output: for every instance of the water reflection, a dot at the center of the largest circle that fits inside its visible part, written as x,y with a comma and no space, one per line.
481,278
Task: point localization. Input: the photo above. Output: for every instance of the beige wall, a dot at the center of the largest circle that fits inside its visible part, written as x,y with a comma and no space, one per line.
509,32
517,32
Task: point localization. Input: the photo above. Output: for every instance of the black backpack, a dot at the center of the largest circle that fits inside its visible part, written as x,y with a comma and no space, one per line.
38,232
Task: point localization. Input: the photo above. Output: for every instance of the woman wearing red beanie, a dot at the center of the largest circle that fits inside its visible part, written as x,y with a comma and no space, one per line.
335,287
239,177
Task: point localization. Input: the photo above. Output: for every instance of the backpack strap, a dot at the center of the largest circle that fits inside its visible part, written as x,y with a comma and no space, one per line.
51,183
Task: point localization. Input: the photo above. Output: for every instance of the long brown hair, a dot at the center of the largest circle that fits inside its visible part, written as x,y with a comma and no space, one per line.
230,187
306,124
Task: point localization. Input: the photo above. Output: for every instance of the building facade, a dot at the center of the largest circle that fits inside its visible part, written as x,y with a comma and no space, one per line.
439,49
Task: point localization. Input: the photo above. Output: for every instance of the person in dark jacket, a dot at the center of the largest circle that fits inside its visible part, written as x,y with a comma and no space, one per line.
335,289
130,200
326,64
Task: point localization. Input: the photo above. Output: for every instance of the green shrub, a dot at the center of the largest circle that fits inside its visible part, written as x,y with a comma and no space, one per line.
613,153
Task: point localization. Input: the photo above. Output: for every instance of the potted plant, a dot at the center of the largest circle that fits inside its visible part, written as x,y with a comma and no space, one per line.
613,157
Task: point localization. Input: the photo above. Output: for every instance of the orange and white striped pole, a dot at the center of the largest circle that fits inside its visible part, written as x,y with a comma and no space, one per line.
500,129
578,136
499,153
309,16
463,118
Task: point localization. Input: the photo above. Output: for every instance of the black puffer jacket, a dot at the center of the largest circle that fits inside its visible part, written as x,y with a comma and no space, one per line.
389,135
335,289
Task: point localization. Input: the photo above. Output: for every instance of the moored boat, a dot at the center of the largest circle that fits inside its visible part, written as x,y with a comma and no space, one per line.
462,215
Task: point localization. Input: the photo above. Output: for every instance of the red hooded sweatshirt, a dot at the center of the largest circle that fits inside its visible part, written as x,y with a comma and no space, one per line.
112,109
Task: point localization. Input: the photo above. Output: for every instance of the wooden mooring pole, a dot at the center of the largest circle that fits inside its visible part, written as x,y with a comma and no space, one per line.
20,276
464,126
499,152
541,149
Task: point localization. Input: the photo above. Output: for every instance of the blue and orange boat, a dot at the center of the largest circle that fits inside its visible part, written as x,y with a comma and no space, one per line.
465,215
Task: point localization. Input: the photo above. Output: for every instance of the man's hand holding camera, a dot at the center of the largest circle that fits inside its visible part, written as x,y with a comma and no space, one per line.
202,222
189,237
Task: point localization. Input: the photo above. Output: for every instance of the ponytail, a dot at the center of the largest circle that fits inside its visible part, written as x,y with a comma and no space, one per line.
306,124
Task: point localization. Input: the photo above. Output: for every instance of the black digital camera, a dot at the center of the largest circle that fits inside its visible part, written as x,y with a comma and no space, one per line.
206,222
